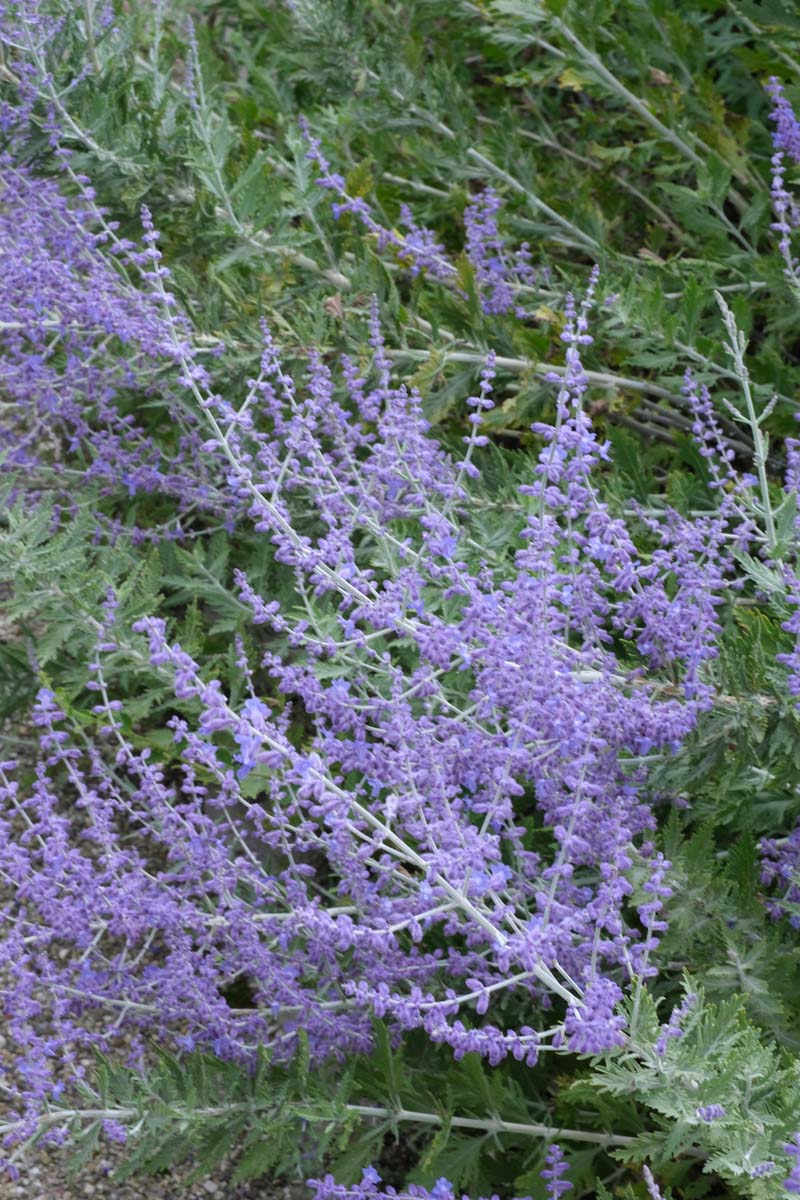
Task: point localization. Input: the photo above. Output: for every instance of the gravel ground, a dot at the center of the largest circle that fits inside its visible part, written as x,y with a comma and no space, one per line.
47,1179
45,1175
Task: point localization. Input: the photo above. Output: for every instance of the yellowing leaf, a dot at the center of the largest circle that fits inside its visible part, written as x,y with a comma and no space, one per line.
545,313
572,80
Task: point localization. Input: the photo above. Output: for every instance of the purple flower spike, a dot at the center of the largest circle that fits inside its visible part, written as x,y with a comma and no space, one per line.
552,1173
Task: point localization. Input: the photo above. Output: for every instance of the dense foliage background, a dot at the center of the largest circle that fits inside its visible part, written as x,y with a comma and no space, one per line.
453,173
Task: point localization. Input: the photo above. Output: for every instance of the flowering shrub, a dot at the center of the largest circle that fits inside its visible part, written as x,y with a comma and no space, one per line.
465,809
434,797
470,767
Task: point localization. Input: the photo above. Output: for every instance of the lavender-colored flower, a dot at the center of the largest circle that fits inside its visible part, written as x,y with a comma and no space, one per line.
785,140
418,248
71,330
792,1183
791,660
554,1170
786,137
672,1029
780,870
786,213
592,1026
327,1189
710,1112
250,744
499,272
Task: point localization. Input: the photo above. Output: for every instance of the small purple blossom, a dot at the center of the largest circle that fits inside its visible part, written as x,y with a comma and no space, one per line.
672,1029
710,1112
247,735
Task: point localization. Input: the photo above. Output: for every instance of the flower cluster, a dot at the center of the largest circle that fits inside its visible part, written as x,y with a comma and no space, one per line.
780,867
786,141
499,272
792,1183
369,1189
417,248
84,341
786,137
80,351
672,1028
